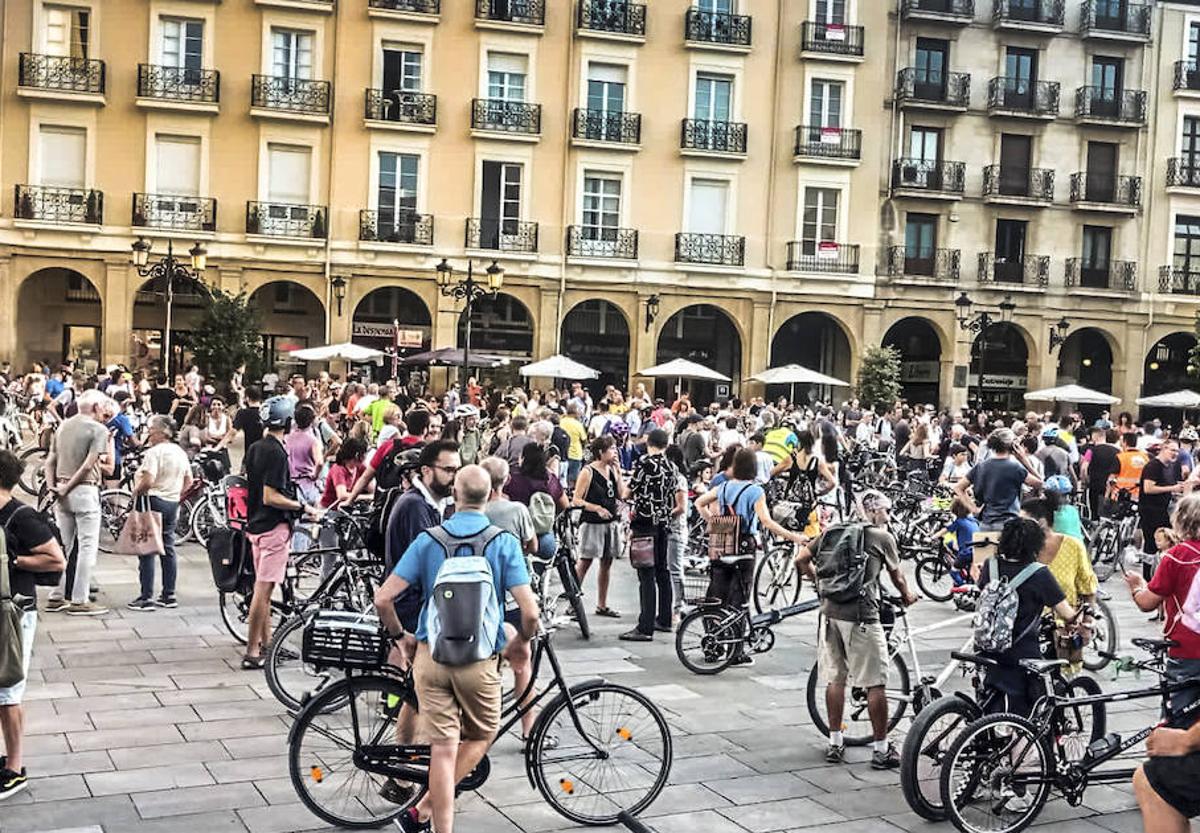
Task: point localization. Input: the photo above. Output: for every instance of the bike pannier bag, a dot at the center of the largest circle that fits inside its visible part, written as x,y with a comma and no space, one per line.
228,556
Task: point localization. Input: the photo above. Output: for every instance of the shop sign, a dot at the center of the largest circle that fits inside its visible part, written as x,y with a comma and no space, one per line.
926,371
1000,381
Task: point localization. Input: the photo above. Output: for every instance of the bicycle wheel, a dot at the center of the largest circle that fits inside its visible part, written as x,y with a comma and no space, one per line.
933,577
856,723
1104,551
114,509
996,777
708,639
1105,637
929,737
776,581
291,679
235,615
611,756
33,477
183,522
203,521
570,585
1080,725
323,744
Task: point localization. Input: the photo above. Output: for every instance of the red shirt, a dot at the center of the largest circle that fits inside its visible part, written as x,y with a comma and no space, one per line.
1172,581
384,450
339,475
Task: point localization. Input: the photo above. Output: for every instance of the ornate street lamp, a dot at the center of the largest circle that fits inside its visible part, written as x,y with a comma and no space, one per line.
467,288
651,310
168,269
1058,333
980,323
339,292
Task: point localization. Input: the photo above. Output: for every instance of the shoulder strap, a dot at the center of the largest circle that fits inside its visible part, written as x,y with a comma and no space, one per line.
1026,572
5,590
15,512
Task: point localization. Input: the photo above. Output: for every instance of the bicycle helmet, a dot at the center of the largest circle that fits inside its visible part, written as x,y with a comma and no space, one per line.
465,411
1050,432
1059,484
1188,435
277,412
618,429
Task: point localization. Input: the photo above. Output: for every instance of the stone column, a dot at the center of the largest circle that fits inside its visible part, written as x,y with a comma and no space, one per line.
756,356
643,346
120,282
8,301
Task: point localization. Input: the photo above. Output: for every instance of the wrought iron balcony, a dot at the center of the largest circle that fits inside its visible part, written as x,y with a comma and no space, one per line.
505,116
1123,20
932,177
176,213
816,142
1187,75
1117,275
501,234
58,205
1183,172
527,12
956,11
714,249
614,17
1177,281
396,227
412,6
716,136
924,88
1113,106
401,107
1107,189
1030,270
277,219
822,256
1019,13
831,38
940,265
607,126
61,74
602,242
200,86
1035,184
717,28
290,95
1020,96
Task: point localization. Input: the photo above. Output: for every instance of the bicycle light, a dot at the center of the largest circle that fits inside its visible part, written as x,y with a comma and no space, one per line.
624,734
317,773
568,786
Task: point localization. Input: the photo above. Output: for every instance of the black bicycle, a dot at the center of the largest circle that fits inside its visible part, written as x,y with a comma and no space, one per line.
568,601
713,635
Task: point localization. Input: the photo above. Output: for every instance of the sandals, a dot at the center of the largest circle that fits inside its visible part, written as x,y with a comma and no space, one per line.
250,663
607,612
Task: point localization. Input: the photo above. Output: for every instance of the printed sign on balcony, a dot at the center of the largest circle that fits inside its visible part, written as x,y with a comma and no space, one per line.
835,31
827,250
831,135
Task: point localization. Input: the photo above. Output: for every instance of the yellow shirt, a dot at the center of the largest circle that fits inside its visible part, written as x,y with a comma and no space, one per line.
1072,569
578,435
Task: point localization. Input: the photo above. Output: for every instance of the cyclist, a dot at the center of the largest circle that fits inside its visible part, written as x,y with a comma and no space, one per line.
992,489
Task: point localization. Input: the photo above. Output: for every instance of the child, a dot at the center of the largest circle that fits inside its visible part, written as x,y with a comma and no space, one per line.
963,528
1164,539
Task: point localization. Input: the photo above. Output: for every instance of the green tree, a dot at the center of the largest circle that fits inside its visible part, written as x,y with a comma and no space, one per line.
879,377
228,336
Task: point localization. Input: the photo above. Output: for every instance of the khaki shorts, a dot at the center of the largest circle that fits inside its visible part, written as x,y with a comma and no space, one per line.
855,650
599,540
458,702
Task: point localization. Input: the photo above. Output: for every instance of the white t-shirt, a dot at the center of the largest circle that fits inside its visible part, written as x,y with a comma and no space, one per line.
167,464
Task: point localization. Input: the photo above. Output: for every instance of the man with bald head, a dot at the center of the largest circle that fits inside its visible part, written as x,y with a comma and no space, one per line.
460,704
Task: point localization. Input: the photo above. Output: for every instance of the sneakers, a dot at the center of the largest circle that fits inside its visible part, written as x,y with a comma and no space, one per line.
11,782
85,609
636,636
167,602
410,822
744,659
142,605
889,759
396,792
56,605
835,754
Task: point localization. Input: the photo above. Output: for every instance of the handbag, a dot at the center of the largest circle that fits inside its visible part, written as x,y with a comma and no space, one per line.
141,534
641,551
12,649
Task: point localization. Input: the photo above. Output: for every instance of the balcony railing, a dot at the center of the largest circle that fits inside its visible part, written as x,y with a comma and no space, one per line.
501,234
831,38
1101,104
1187,75
62,74
401,107
717,136
276,219
822,256
506,116
714,249
1043,12
941,265
1117,275
58,205
176,213
816,142
617,17
962,10
1128,19
1027,183
947,89
607,126
1108,189
602,242
396,227
201,86
1183,172
1030,270
717,27
528,12
935,177
414,6
1022,96
1177,281
290,95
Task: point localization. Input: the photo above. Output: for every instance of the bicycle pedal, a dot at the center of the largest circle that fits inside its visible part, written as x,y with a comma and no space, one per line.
1103,746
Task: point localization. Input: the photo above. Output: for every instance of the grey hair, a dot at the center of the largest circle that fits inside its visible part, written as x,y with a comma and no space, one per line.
92,400
497,469
163,424
872,501
472,486
1187,517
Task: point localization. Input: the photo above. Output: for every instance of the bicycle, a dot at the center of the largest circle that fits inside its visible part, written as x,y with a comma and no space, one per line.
711,637
1108,536
339,759
562,566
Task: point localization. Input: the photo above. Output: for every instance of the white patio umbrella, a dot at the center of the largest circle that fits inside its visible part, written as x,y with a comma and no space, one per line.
1072,393
680,369
1188,400
346,350
559,366
796,374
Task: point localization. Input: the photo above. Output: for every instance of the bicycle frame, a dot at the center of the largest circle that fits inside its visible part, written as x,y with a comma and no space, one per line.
903,635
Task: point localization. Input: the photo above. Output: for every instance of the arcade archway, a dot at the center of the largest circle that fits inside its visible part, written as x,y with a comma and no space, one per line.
999,373
920,359
596,333
704,334
292,318
817,341
60,318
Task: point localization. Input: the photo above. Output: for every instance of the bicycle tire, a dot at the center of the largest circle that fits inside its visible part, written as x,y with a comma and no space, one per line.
931,570
1093,718
203,521
1106,637
183,522
611,709
704,644
1104,553
570,583
923,793
855,708
33,475
775,595
115,505
310,772
287,672
235,611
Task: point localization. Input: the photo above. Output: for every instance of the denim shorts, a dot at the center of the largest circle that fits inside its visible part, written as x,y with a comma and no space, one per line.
12,695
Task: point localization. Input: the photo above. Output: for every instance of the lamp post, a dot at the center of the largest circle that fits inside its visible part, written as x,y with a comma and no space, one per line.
652,304
1058,333
339,292
466,288
980,323
168,268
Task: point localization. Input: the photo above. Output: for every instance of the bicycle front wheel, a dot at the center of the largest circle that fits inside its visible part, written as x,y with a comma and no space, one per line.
115,505
289,677
708,639
601,751
932,732
33,477
323,744
934,579
856,723
570,585
1105,638
776,581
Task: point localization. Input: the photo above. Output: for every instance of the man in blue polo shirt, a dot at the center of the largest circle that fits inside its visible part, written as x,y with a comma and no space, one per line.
460,704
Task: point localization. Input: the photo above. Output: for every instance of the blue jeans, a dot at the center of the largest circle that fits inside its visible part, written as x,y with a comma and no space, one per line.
547,545
170,516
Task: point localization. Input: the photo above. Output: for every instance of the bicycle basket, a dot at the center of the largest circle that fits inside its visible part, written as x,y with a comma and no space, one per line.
695,583
351,641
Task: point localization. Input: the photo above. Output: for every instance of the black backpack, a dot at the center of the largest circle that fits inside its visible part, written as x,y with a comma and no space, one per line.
229,557
841,563
396,465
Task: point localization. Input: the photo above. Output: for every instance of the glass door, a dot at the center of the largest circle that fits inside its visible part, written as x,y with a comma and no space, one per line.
1020,73
920,244
933,57
1094,264
1101,172
1010,251
1016,154
1106,86
925,153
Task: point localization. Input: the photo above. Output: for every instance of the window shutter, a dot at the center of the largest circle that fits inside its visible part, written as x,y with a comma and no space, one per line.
63,156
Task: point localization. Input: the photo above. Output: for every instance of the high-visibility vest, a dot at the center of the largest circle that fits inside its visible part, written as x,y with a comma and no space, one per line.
780,443
1129,477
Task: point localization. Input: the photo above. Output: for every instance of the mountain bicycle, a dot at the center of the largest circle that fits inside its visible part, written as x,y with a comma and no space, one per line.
1107,537
568,603
712,636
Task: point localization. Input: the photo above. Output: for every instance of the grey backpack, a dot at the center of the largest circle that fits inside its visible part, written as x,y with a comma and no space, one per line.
463,616
841,564
996,612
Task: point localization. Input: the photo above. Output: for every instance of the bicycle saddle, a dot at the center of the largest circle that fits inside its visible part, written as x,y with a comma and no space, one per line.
1042,666
974,659
1155,646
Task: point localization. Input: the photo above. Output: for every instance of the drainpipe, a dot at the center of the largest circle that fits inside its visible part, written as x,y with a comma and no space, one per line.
570,78
330,172
1144,243
771,177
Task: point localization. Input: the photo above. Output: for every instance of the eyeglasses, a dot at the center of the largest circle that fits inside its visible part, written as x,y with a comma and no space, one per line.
447,469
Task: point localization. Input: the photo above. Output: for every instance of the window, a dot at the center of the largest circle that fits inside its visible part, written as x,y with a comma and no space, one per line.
500,203
1097,248
1190,146
933,57
289,171
1107,78
825,104
68,31
506,76
601,206
708,206
831,11
715,6
401,69
714,97
1010,250
291,54
819,221
920,243
178,165
925,144
606,88
1193,43
397,189
182,43
1187,244
1020,73
62,156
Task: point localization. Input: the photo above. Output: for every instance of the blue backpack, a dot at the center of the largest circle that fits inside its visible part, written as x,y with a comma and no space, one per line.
463,615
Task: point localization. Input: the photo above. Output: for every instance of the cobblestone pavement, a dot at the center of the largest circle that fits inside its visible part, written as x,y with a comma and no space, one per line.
141,723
